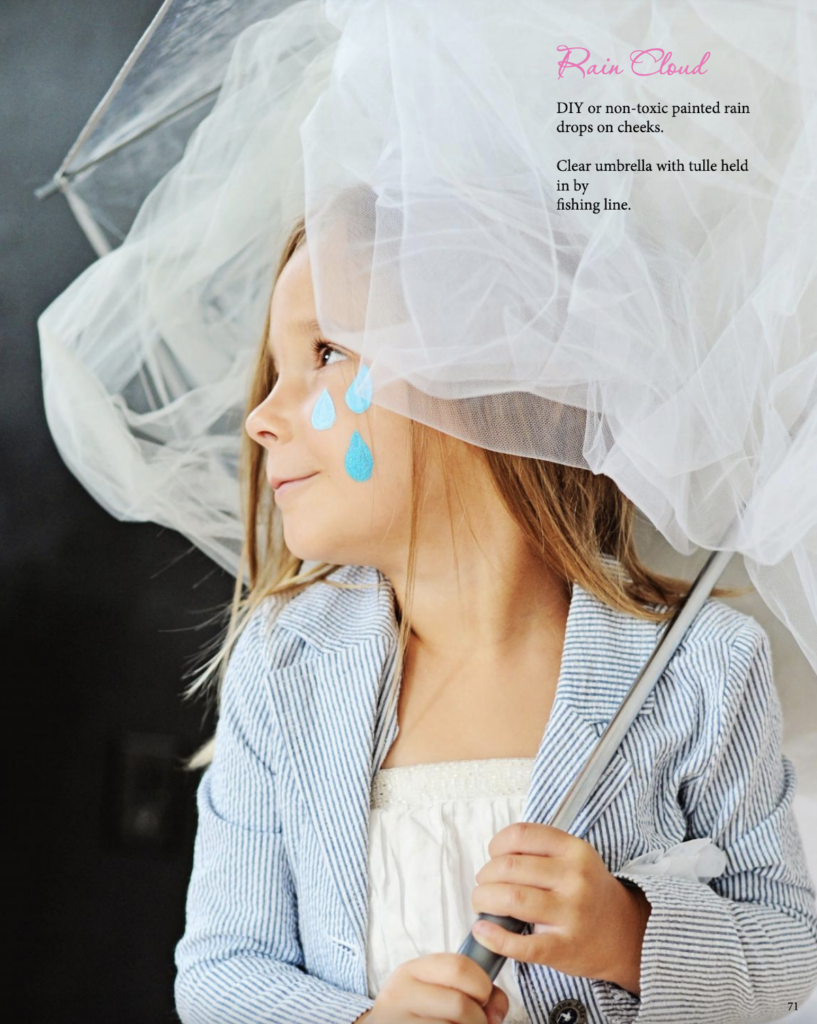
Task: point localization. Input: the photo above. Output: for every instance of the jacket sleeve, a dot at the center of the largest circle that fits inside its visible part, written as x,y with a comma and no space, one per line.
240,960
743,948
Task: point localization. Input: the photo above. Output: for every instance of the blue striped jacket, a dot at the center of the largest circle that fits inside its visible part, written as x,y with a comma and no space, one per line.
277,903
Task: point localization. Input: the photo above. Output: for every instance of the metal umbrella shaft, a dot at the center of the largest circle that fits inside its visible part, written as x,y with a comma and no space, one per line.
609,741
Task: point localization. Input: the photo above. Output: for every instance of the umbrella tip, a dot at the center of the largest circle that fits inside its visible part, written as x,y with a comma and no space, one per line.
50,187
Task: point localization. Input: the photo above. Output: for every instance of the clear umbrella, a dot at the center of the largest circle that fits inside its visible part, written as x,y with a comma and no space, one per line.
139,129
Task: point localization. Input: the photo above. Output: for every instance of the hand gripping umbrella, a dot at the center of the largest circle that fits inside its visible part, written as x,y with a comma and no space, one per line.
584,236
583,785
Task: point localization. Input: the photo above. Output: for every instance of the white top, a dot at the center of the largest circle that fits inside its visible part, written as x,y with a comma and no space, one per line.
429,830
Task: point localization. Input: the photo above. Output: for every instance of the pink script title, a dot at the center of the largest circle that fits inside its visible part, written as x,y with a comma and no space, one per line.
642,62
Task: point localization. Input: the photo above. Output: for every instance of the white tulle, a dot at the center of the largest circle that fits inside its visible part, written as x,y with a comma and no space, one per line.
698,860
671,347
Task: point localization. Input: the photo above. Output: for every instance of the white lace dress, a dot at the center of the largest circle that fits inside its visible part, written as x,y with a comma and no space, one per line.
429,831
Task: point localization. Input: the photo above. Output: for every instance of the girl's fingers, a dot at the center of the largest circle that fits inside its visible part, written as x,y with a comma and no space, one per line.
439,1002
524,902
498,1005
453,970
539,948
524,869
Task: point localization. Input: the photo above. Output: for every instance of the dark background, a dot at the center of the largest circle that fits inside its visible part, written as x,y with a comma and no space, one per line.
103,620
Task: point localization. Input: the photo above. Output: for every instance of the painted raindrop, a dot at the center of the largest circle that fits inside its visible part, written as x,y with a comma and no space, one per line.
323,415
358,460
359,392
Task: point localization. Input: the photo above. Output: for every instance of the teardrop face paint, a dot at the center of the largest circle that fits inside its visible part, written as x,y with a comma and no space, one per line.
358,461
323,415
359,392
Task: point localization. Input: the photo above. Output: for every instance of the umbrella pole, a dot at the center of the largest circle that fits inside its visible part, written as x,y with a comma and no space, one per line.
609,741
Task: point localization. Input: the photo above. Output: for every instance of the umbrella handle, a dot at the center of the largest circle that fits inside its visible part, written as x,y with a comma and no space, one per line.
609,741
489,961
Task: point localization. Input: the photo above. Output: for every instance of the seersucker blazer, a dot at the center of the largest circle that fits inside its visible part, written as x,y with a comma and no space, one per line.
276,925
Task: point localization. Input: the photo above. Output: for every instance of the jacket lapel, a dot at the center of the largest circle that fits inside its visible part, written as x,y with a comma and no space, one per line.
325,703
326,710
328,705
604,650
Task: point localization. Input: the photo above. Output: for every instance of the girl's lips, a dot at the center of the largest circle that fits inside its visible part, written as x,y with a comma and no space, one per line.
285,487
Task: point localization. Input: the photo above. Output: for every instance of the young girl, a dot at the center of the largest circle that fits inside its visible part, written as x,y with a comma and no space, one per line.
397,726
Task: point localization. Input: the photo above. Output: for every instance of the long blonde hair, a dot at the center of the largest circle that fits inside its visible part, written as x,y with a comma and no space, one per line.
569,516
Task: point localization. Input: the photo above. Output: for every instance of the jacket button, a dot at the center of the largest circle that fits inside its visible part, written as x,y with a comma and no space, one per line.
568,1011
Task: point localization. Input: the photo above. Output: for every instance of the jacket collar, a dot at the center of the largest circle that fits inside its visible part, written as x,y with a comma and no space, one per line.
604,649
330,620
327,699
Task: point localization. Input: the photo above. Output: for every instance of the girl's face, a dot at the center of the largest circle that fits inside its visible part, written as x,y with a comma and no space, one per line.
354,508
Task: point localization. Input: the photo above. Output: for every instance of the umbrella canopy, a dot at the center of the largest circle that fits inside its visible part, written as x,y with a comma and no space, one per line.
141,126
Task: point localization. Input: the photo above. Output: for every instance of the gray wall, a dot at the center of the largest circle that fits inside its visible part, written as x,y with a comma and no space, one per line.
102,619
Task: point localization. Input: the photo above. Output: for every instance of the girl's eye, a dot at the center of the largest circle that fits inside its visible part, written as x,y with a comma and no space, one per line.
319,347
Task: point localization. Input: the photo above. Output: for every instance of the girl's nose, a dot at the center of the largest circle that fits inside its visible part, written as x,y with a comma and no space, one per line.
274,417
267,422
257,426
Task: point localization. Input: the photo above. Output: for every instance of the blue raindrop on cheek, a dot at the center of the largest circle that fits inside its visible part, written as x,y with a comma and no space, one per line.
323,415
358,459
359,392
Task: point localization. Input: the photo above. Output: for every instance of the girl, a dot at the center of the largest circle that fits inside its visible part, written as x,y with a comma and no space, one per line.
397,726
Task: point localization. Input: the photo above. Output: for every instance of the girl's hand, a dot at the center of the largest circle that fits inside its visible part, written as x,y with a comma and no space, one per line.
585,921
440,987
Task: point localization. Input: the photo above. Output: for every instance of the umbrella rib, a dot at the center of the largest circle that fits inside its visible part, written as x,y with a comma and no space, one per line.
105,102
142,132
